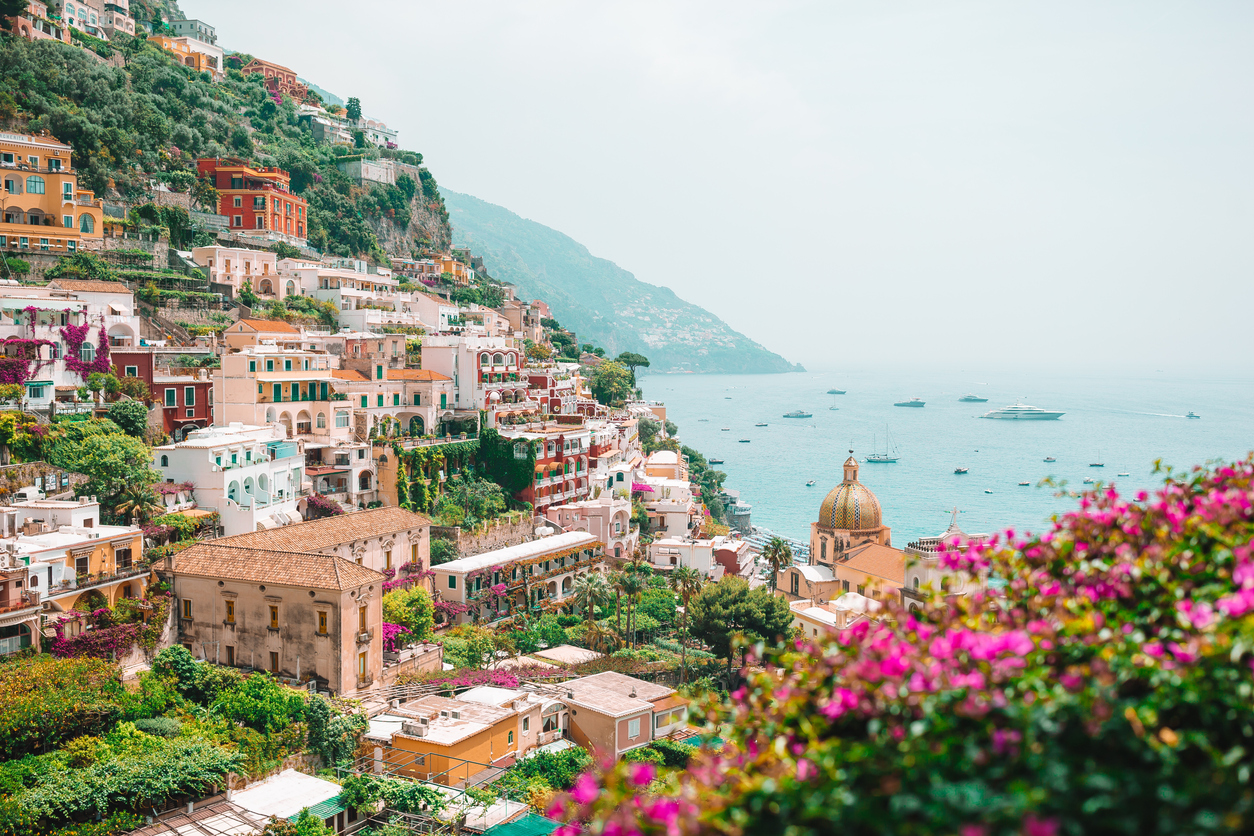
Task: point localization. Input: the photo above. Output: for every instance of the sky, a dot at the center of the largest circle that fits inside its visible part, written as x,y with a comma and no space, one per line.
982,184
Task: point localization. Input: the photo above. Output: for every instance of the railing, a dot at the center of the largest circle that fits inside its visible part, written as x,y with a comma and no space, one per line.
89,581
29,600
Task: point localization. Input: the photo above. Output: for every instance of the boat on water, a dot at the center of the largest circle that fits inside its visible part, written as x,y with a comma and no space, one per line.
724,429
1089,480
915,402
986,490
703,420
890,454
727,397
1022,412
810,484
1025,484
833,408
970,398
1125,474
761,424
1099,462
745,440
715,461
798,413
959,471
1050,459
835,391
1193,415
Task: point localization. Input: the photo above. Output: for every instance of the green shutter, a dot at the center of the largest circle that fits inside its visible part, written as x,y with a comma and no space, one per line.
323,391
277,397
378,372
365,401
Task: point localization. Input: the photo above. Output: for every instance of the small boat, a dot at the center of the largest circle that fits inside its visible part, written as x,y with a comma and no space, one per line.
1025,484
763,424
724,429
890,454
798,413
835,391
969,398
833,408
1099,462
986,490
1089,480
1050,459
959,471
915,402
744,441
715,461
1125,474
727,397
1193,415
703,420
810,484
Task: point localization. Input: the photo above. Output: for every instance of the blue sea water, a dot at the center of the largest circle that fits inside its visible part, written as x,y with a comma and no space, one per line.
1126,423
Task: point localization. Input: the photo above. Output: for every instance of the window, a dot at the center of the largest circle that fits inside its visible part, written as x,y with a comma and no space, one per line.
526,724
189,413
361,454
361,619
322,623
252,365
796,583
189,396
165,461
378,372
341,419
287,364
239,202
274,617
274,661
861,589
230,655
387,559
511,738
417,399
452,582
322,420
237,220
844,585
170,396
396,399
67,221
131,371
365,401
35,184
187,607
86,223
361,666
413,554
633,728
270,365
230,612
121,557
87,353
379,399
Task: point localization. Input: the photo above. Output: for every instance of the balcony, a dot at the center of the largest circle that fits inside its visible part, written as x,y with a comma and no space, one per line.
84,582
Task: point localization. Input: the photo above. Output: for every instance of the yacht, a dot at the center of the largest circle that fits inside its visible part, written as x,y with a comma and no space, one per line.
798,413
889,456
744,440
724,429
810,484
1025,484
1125,474
915,402
1089,480
715,461
1193,415
1023,412
970,398
762,424
703,420
959,471
986,490
835,391
1050,459
1099,462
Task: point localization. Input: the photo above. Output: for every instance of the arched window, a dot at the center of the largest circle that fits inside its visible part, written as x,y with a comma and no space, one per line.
322,420
291,288
165,461
916,583
620,476
509,359
86,223
485,359
498,359
87,353
35,184
363,481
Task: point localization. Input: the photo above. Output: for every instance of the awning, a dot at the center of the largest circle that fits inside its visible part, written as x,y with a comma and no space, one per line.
326,471
267,523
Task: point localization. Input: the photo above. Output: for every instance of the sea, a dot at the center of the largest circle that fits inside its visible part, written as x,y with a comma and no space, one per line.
1126,424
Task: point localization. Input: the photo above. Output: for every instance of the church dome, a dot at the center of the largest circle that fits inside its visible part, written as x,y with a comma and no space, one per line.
851,506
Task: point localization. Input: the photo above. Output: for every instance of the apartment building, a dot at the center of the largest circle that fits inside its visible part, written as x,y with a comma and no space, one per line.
612,713
44,210
237,266
193,28
533,574
562,471
265,384
34,24
20,607
197,55
486,371
303,616
117,18
251,475
257,198
608,518
254,332
278,78
713,557
84,15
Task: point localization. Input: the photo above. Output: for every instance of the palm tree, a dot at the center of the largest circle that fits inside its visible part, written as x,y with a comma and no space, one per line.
599,637
616,583
687,582
632,585
778,556
136,503
590,592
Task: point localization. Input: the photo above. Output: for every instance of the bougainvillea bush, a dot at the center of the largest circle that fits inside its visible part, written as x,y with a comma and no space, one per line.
1109,690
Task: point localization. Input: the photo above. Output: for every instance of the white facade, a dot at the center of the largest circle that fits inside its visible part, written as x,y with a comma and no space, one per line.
251,475
479,366
237,265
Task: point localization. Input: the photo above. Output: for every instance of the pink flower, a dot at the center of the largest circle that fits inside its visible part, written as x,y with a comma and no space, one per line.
642,774
973,830
842,701
586,790
1032,826
805,769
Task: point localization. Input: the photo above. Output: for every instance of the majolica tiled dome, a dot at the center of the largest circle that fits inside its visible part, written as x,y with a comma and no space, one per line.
850,506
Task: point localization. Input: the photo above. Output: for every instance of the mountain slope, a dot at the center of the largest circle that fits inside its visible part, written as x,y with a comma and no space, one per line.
603,303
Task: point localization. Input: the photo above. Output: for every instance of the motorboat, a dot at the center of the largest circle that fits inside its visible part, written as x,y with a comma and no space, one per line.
1193,415
959,471
915,402
1050,459
835,391
810,484
1023,412
724,429
703,420
1089,480
1125,474
798,413
763,424
1025,484
727,397
986,490
970,398
745,440
715,461
889,456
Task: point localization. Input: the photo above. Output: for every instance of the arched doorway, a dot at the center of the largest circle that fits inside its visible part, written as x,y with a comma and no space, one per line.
266,288
364,481
416,425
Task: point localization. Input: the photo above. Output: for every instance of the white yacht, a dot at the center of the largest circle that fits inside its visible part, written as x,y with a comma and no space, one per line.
1023,412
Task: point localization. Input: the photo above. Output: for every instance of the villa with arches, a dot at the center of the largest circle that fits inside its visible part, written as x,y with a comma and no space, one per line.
44,210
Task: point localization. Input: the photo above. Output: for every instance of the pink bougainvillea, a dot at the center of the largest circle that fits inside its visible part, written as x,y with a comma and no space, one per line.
390,634
75,336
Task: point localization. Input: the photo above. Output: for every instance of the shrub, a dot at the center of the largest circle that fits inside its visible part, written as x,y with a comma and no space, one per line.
159,726
675,755
644,754
45,701
442,550
411,608
261,704
131,416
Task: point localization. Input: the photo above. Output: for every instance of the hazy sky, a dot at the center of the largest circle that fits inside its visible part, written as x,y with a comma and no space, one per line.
967,183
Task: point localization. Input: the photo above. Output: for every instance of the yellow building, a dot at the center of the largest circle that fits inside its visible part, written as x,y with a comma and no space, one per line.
188,57
460,272
446,741
44,210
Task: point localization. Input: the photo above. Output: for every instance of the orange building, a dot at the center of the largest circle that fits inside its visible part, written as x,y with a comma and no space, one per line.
198,60
278,77
460,272
44,209
256,198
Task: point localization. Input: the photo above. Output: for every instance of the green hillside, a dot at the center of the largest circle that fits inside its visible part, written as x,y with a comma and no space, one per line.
600,301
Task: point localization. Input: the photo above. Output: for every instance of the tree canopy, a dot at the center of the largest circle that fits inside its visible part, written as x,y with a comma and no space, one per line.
724,610
611,383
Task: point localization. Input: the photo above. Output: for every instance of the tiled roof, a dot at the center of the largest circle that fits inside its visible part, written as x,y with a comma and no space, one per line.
261,565
271,326
415,374
328,532
878,561
349,374
90,286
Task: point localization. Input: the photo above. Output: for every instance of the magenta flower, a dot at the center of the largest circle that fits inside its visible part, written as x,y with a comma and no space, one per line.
586,790
642,774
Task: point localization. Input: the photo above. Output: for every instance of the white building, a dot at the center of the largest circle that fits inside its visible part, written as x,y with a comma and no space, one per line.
608,518
713,558
251,475
924,573
237,265
479,367
197,29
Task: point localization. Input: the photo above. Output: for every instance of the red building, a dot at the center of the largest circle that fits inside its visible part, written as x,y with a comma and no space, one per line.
256,198
185,400
278,78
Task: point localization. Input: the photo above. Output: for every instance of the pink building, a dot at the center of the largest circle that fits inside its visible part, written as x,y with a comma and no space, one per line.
608,518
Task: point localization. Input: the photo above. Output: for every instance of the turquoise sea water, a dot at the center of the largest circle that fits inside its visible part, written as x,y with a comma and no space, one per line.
1126,423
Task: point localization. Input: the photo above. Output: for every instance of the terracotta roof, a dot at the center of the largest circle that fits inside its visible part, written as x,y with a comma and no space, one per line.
271,326
672,701
90,286
349,374
879,561
415,374
329,532
260,565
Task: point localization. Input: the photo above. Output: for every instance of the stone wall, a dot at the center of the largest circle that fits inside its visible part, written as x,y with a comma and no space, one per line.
497,536
419,659
14,477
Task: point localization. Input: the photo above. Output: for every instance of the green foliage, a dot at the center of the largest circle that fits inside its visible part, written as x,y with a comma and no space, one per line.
410,607
352,109
499,461
45,701
557,770
261,703
81,265
443,550
159,726
176,662
363,792
611,383
675,755
131,416
469,499
658,605
729,608
632,361
333,734
469,647
112,460
644,754
17,266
